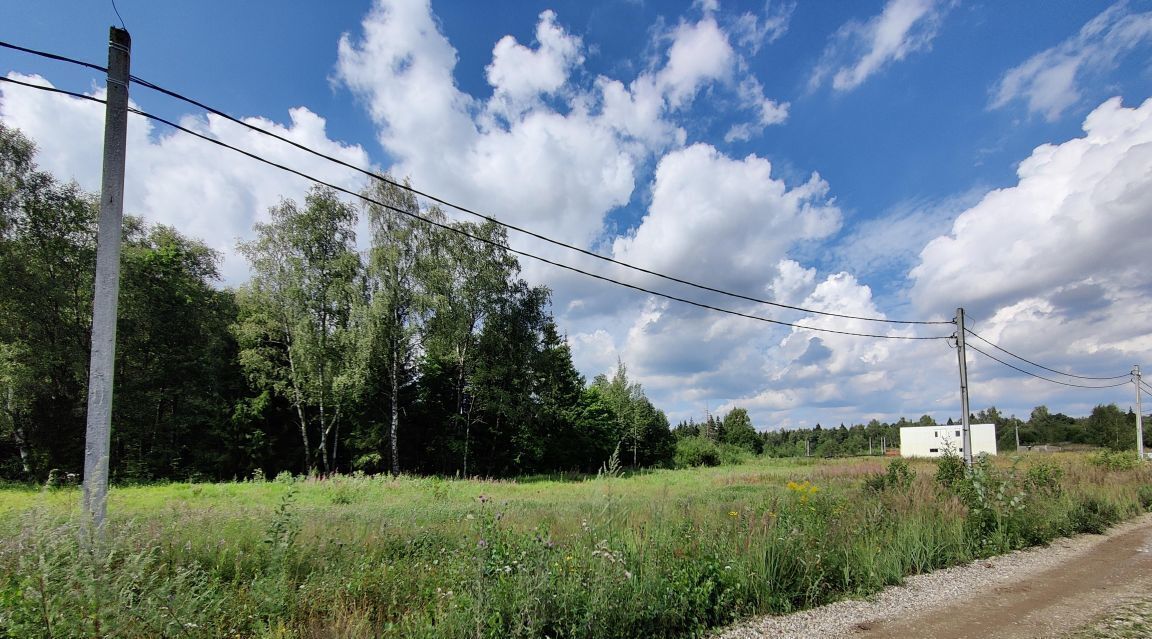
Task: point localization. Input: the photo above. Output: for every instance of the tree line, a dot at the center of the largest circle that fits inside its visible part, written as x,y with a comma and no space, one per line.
426,353
1107,426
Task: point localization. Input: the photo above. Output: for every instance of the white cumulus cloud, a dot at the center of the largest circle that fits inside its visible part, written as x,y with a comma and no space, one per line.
203,190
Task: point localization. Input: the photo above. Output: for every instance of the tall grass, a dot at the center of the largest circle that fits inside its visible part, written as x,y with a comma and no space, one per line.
665,554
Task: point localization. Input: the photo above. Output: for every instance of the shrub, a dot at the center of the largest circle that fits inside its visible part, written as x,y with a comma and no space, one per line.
697,451
898,476
1114,460
1093,515
949,469
1144,494
1044,477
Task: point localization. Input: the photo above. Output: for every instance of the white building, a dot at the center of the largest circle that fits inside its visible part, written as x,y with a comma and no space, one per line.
932,441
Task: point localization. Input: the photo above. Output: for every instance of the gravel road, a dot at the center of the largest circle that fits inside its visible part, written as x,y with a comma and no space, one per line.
1036,593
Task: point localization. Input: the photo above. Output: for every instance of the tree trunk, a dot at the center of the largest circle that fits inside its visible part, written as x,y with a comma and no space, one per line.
322,447
394,373
335,440
18,433
461,357
299,404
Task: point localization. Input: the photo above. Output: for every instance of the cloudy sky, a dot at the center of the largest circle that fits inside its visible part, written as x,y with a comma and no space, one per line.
886,159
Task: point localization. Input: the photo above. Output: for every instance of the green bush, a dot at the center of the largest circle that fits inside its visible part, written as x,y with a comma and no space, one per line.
949,469
1093,515
1144,494
1044,477
898,476
1115,460
697,451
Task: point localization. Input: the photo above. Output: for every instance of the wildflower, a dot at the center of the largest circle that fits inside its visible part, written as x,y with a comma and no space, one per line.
484,499
482,544
733,513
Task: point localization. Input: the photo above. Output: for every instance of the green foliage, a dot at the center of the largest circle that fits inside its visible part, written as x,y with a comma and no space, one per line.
643,429
738,431
1044,477
1093,514
898,476
1118,460
58,587
1145,495
703,451
387,556
950,470
696,451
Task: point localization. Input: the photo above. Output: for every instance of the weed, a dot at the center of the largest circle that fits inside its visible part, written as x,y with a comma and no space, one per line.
898,476
1093,515
664,554
1115,460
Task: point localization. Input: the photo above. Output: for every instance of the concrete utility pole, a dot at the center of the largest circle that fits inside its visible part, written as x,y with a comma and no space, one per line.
966,441
1139,416
107,286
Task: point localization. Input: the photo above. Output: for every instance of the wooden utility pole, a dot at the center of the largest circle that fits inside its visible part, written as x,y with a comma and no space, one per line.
1139,416
107,286
966,440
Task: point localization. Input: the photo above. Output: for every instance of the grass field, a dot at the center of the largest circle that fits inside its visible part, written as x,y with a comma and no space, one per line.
660,554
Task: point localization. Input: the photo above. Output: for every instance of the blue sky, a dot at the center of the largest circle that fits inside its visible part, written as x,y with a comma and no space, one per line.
893,158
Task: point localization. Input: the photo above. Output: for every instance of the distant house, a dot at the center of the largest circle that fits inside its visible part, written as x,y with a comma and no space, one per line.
932,441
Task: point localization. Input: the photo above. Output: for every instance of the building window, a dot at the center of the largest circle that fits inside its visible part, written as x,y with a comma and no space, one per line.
957,433
933,450
935,433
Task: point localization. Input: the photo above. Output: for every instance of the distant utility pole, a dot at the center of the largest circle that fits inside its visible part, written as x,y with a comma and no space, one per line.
107,286
966,441
1139,416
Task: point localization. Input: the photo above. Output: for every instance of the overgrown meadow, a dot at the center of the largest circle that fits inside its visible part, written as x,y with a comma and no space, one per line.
662,554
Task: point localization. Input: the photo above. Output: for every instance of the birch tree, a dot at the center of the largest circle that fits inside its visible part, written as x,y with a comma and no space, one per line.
398,274
295,330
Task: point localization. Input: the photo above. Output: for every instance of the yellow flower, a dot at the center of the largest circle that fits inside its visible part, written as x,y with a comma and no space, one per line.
733,513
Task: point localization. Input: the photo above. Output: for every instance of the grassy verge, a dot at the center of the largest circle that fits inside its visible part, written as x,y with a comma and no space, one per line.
663,554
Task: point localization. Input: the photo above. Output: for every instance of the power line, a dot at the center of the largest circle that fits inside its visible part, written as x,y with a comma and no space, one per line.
463,209
1041,376
118,15
1003,350
53,56
511,226
466,233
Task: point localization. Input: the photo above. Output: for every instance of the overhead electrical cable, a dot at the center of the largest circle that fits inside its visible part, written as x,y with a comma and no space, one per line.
462,232
464,209
1053,370
53,56
1054,381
